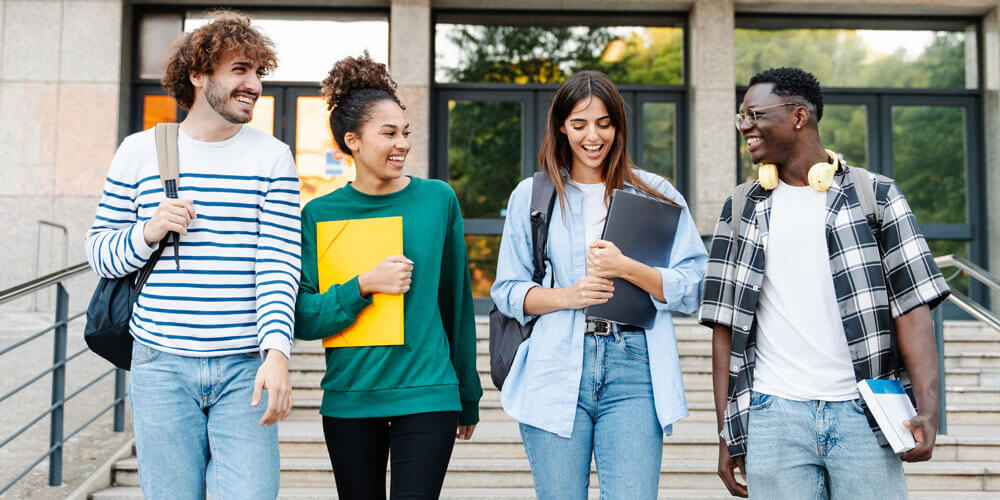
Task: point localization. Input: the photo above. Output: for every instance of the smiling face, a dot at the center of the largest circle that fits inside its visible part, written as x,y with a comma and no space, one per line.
233,88
770,138
590,134
380,147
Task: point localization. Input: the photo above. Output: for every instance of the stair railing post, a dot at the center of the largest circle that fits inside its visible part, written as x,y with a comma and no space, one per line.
58,386
119,425
939,339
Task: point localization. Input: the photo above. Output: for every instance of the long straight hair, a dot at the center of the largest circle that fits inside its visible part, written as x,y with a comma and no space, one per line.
556,157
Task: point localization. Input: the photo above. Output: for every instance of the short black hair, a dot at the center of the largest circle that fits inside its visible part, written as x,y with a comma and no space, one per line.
793,82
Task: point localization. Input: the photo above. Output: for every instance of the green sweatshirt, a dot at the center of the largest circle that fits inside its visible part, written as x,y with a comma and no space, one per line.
435,368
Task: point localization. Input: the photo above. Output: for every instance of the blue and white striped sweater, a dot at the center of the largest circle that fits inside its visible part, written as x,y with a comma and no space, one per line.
240,261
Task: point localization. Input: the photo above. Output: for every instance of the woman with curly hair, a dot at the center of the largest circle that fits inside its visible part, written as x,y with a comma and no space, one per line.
407,398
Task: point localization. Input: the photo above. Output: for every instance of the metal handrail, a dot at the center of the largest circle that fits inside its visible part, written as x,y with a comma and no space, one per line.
982,275
42,282
55,412
963,302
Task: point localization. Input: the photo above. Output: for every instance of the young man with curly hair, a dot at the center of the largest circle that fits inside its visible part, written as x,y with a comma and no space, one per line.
807,294
213,324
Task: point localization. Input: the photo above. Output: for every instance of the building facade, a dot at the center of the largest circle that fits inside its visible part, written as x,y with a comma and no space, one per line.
913,91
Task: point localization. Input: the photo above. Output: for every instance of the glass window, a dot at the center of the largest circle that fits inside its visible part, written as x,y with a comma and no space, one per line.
263,114
659,139
548,54
299,36
484,154
158,109
322,167
482,251
157,31
928,150
862,58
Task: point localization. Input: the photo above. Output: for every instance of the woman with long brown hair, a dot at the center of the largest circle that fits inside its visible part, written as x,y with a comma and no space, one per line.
583,386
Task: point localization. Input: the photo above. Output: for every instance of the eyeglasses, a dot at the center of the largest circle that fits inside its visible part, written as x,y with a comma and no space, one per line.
751,113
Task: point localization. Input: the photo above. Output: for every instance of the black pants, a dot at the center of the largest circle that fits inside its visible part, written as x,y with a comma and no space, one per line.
421,447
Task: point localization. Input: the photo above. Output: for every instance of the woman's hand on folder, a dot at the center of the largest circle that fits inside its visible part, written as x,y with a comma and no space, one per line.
588,291
605,260
391,276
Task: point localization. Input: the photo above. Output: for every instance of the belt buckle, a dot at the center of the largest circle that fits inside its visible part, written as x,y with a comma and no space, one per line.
602,328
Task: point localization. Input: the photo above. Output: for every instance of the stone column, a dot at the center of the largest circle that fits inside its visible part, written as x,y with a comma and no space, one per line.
991,114
59,83
410,65
712,101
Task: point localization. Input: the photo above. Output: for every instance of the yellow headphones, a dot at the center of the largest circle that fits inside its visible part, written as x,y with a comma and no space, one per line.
820,174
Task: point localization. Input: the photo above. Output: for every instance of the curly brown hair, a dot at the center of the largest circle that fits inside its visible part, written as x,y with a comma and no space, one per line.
353,86
201,50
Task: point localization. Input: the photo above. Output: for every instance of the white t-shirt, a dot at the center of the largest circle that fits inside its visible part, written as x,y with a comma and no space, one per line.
594,211
801,345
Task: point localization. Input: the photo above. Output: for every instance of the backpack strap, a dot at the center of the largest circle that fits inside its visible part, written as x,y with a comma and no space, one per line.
166,161
166,157
542,201
863,181
736,213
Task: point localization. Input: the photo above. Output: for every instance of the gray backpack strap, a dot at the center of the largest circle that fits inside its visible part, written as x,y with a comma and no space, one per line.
166,157
736,214
865,187
543,197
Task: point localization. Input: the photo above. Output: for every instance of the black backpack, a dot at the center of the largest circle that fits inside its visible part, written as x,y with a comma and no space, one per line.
110,310
506,334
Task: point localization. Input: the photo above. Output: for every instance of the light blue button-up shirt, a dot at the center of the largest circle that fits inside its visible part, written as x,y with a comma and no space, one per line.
543,384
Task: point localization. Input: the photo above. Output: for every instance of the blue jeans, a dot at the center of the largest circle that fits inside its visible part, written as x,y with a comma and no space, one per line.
195,428
615,421
817,449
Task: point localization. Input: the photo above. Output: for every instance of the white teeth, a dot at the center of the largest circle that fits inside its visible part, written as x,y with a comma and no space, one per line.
754,140
396,158
592,148
244,100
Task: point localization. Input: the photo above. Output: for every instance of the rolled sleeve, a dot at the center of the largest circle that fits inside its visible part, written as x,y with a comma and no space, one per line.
912,277
682,281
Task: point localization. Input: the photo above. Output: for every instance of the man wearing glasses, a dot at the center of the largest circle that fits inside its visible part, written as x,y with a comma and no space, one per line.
810,296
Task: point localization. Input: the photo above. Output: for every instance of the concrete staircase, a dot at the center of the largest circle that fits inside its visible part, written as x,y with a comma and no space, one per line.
493,465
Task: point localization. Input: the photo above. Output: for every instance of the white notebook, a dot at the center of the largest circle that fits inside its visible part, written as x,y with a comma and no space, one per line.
890,405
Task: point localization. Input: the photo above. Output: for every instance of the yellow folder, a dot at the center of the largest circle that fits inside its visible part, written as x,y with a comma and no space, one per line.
347,248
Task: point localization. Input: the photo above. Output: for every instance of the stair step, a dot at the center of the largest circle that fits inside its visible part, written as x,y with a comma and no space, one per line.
330,493
684,474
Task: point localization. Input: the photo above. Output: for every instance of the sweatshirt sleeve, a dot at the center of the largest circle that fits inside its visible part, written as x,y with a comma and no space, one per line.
321,314
458,314
277,265
114,244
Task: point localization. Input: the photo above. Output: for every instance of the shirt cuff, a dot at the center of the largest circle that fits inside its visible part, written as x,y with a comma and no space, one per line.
278,341
516,297
673,288
350,298
469,414
142,250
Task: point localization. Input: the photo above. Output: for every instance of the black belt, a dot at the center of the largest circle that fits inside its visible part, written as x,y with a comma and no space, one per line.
604,328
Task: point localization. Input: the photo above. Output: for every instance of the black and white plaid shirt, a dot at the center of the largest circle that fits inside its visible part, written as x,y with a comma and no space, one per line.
872,287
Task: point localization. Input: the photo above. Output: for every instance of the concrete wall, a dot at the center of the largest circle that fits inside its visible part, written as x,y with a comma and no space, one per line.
61,93
59,81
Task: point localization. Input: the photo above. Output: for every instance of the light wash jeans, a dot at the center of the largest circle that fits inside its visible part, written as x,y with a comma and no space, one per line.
615,421
195,428
817,449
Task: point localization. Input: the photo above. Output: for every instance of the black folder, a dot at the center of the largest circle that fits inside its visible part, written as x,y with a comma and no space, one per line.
642,228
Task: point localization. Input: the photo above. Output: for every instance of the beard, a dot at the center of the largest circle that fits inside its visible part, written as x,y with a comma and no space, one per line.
218,98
